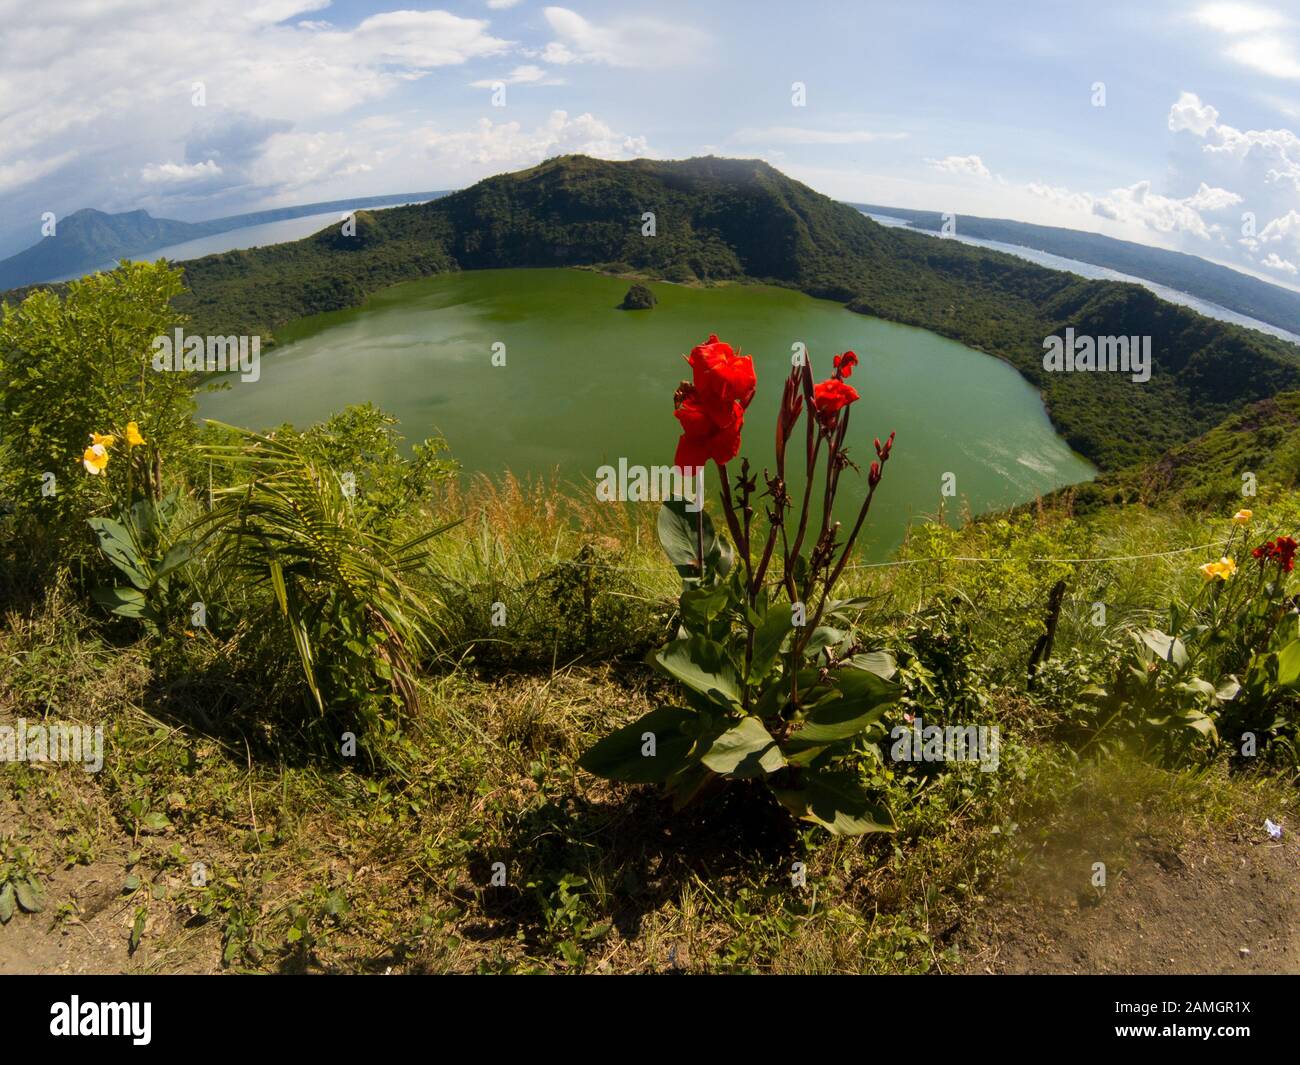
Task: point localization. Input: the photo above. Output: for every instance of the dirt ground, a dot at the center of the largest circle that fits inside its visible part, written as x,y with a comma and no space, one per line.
1221,906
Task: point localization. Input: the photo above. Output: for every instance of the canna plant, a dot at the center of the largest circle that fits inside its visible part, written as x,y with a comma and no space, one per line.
1229,665
771,682
140,540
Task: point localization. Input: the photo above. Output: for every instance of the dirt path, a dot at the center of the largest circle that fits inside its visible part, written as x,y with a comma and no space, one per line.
1217,906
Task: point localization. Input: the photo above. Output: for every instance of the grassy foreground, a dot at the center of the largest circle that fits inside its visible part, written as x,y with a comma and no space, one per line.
311,864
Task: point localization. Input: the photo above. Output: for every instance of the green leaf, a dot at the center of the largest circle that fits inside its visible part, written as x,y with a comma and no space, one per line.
745,750
699,606
620,755
839,719
881,663
1169,648
769,635
120,548
128,602
6,903
137,930
177,555
1288,665
29,895
837,801
702,666
678,531
822,636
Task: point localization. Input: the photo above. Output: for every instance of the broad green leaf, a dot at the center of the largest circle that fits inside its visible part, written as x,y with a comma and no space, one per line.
678,531
1169,648
177,555
701,665
768,637
745,750
6,903
836,801
699,606
822,636
620,755
128,602
29,895
1288,665
720,556
881,663
837,719
120,548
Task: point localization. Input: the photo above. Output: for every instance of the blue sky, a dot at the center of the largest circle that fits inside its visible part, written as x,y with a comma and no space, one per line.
984,108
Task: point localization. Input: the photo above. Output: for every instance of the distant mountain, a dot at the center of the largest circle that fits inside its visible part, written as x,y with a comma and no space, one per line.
88,238
1187,273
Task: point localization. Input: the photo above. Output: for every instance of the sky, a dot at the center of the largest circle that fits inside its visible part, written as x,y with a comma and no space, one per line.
1169,123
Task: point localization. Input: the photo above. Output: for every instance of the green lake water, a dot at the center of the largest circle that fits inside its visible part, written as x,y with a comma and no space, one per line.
586,384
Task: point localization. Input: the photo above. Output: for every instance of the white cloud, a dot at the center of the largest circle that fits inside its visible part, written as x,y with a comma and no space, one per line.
1258,36
528,74
1275,152
629,42
1239,18
1269,55
501,5
961,164
506,145
1138,205
299,160
179,173
1276,262
1189,113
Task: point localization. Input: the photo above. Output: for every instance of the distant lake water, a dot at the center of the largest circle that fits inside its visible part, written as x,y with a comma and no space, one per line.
586,384
1102,273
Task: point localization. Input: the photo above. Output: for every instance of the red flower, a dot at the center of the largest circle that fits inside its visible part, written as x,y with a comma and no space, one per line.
1282,551
844,364
721,376
830,397
709,431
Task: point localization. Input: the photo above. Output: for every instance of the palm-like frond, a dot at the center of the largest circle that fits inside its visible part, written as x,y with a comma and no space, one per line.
289,524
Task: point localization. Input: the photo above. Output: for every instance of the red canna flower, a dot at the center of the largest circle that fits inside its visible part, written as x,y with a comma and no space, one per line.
721,376
830,397
709,431
844,364
1282,551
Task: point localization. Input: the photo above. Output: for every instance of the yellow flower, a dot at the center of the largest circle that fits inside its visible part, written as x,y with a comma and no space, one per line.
107,440
95,459
133,437
1223,569
1242,517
